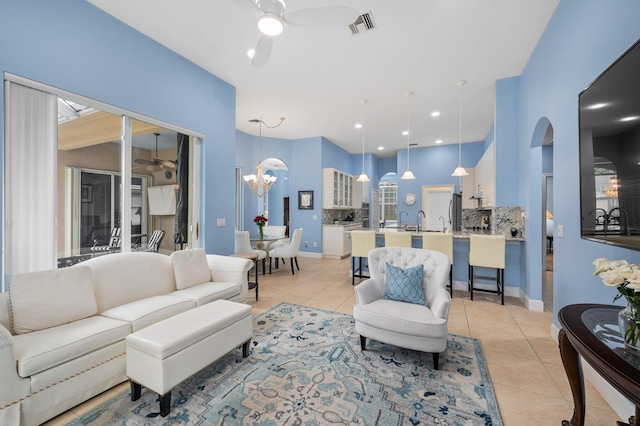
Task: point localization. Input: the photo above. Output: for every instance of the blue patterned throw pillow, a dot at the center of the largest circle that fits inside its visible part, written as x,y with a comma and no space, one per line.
405,285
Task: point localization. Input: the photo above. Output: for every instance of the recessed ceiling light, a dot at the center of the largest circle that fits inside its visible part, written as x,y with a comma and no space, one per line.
631,118
405,133
358,126
597,106
251,52
380,148
435,114
439,141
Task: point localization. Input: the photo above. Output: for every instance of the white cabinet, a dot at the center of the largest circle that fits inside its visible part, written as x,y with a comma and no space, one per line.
337,189
485,177
336,241
468,188
356,197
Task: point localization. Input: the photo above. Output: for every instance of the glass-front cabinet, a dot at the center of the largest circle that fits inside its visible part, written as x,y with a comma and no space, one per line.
337,189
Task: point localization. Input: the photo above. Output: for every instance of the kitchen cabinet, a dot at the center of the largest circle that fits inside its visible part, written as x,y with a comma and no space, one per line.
356,197
338,190
485,177
468,188
336,242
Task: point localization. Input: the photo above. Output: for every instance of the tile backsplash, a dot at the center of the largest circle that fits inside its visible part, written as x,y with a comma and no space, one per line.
501,220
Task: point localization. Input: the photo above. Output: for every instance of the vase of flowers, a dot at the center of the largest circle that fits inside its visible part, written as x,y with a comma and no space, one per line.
625,277
260,221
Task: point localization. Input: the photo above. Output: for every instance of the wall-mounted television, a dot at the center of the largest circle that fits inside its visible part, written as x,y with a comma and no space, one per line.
610,154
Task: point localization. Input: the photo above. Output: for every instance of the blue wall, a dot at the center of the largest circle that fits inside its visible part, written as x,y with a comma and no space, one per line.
74,46
582,39
506,149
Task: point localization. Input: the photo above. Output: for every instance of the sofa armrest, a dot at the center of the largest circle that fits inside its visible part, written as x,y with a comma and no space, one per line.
440,303
368,291
13,386
232,270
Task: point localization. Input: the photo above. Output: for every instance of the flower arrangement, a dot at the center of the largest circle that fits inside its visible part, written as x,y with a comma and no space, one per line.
261,221
625,277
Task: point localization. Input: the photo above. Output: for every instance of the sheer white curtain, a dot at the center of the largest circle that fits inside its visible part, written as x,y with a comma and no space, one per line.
30,180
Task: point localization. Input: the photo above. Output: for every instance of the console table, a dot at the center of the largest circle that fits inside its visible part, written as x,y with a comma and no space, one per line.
592,331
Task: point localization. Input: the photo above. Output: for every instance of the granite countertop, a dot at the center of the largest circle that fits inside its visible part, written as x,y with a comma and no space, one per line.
343,224
457,235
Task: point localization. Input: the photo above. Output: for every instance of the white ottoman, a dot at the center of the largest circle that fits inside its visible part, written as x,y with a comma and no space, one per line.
166,353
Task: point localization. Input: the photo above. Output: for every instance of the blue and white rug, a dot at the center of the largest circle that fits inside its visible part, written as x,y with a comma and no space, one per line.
306,368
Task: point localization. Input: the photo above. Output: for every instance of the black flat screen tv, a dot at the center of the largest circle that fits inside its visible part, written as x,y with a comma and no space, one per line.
610,154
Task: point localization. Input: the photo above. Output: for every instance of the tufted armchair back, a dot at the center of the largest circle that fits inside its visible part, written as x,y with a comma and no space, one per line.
436,267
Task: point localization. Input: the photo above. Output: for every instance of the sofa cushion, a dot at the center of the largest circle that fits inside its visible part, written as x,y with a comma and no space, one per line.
399,317
145,312
47,299
405,285
121,278
190,268
44,349
208,292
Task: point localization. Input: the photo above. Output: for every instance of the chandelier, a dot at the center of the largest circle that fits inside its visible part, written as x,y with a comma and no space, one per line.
261,183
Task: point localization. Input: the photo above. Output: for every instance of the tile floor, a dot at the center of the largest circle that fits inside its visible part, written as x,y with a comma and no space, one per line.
523,358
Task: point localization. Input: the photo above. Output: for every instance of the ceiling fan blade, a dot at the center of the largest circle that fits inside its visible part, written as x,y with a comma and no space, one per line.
262,51
248,4
326,16
165,163
143,162
153,168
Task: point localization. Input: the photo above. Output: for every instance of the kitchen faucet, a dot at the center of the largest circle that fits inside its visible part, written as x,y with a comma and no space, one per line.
444,228
400,218
418,219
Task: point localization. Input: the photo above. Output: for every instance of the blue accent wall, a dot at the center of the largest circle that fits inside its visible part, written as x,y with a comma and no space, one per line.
506,142
72,45
582,39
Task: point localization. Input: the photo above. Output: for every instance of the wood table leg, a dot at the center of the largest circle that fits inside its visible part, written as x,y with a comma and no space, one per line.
572,367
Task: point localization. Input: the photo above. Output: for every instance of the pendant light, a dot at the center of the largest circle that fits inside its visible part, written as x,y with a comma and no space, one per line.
408,174
460,171
363,177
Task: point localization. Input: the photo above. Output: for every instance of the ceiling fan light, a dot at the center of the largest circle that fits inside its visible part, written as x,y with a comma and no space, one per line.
460,171
408,175
270,24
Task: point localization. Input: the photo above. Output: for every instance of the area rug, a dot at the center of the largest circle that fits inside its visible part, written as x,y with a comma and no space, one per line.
306,368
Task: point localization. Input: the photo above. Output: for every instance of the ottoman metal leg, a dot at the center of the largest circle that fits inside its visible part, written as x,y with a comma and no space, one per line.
245,348
136,390
165,404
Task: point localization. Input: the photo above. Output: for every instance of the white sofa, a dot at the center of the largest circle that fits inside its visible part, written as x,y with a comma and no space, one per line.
62,332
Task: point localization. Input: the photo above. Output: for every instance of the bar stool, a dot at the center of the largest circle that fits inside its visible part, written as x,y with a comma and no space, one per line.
362,242
487,251
441,242
397,239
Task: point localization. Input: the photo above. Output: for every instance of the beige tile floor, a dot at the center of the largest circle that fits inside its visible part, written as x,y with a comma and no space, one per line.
523,359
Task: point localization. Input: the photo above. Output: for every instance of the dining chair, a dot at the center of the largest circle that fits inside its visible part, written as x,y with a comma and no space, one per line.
289,251
243,245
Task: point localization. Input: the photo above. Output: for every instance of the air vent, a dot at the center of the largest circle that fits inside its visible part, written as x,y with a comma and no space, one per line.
362,24
413,144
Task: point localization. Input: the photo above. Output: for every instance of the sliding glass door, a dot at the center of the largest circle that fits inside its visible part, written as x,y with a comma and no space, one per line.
76,169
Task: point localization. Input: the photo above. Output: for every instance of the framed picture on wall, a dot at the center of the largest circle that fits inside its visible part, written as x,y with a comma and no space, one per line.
86,193
305,200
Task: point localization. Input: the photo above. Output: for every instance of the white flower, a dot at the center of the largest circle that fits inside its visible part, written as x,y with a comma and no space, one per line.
634,281
611,278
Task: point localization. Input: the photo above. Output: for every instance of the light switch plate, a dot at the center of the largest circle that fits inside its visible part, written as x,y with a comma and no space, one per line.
560,231
221,221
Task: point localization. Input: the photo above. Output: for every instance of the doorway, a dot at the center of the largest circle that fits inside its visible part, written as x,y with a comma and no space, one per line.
548,221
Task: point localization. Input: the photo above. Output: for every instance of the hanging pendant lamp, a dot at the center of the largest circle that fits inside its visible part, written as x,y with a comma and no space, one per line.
408,174
460,171
363,176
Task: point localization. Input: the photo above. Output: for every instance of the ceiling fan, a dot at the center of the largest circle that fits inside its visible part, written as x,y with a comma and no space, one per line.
273,17
157,164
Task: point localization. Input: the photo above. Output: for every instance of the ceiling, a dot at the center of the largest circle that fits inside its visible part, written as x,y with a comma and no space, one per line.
317,77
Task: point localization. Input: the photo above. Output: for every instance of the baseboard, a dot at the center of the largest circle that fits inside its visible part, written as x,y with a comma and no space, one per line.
310,254
621,405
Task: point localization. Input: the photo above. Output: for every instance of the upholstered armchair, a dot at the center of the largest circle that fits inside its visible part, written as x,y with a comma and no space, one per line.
406,304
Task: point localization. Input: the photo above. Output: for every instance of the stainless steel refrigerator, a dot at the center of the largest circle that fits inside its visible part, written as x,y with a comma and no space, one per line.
455,212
